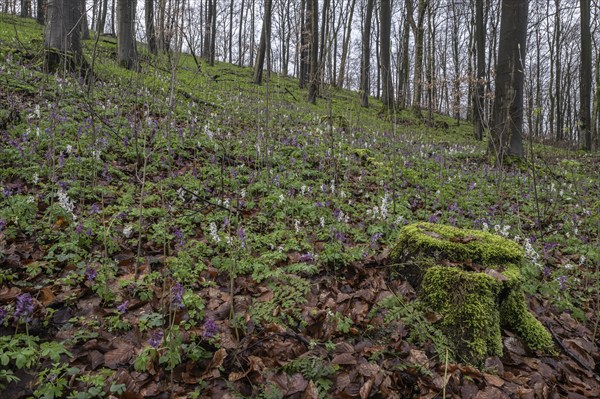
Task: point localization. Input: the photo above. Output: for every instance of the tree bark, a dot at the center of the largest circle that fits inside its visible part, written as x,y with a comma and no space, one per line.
386,70
346,45
507,126
41,12
150,31
62,39
585,77
126,51
264,46
479,93
419,36
314,51
365,65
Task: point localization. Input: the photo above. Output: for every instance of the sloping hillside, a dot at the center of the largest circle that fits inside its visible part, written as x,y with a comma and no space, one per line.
180,232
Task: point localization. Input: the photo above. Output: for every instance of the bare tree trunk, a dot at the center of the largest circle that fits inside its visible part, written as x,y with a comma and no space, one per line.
346,45
63,38
85,29
585,78
41,12
479,94
26,8
558,74
419,34
365,65
507,127
264,46
126,51
102,17
386,68
150,31
305,24
314,51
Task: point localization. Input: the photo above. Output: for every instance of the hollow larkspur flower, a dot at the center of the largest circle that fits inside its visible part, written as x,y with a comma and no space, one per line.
210,329
122,308
24,306
155,339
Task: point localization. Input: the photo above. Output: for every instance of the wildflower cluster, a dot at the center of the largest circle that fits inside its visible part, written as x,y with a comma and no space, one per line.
66,203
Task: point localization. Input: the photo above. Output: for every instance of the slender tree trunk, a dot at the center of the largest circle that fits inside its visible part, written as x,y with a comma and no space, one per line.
85,29
558,72
346,45
385,43
507,127
419,36
41,12
585,79
26,8
264,46
314,51
241,34
479,94
150,31
102,18
404,73
365,65
126,51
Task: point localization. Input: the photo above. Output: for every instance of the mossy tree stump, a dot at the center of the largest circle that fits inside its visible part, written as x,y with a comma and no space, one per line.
473,280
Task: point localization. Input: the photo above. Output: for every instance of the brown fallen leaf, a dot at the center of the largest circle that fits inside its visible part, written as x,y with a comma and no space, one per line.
344,358
118,356
493,380
46,296
365,389
212,370
311,391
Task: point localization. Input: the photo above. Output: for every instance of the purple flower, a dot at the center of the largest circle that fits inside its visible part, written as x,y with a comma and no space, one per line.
155,339
242,236
375,237
307,257
79,228
562,282
3,314
122,308
2,224
177,292
24,306
179,235
95,208
433,218
340,236
546,272
90,274
210,329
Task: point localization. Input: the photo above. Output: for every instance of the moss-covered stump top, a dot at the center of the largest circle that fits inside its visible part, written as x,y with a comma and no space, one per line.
455,245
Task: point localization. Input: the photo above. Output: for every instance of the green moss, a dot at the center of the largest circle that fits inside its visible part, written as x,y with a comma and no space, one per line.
473,305
455,244
515,316
467,302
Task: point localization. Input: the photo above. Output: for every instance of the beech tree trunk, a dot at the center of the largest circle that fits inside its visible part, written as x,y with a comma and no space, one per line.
150,31
41,12
479,93
314,50
62,39
507,125
264,46
365,65
126,51
585,78
386,70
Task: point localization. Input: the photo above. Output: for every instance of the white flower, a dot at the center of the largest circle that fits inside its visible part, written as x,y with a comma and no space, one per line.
35,178
243,193
127,230
69,148
485,226
322,221
281,198
297,226
65,202
569,266
581,260
213,232
303,189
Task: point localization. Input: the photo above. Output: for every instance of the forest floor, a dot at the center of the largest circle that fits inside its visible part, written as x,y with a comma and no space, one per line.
179,232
